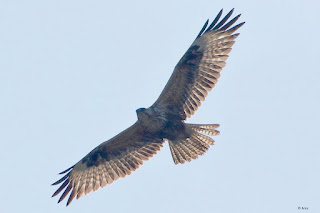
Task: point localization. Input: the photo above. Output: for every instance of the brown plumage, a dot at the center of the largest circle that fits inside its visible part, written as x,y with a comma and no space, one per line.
194,76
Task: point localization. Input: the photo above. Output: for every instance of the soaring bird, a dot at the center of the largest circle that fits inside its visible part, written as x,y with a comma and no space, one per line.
194,76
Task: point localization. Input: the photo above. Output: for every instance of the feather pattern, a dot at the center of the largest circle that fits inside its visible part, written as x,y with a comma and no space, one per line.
199,69
113,159
196,144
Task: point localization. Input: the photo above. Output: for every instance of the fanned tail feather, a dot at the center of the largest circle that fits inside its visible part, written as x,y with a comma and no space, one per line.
196,144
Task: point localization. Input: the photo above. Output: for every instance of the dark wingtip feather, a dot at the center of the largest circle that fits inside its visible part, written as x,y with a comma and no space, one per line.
72,195
223,20
65,193
230,23
203,28
65,183
233,29
61,179
216,25
214,22
66,170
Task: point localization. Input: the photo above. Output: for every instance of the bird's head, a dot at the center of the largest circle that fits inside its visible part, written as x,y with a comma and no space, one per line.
142,114
140,110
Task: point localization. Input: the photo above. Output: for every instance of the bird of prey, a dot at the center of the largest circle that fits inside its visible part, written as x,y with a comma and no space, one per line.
194,76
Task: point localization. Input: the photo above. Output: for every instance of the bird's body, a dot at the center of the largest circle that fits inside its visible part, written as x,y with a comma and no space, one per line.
161,124
194,76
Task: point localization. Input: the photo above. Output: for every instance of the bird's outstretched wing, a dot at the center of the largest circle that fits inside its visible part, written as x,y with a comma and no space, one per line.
107,162
198,70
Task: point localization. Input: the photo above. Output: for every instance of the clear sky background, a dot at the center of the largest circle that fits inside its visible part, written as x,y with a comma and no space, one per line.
72,74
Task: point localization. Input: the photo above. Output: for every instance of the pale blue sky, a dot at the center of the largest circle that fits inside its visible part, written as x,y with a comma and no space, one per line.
72,74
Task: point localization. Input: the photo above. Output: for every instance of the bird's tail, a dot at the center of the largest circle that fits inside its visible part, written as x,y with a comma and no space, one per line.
197,143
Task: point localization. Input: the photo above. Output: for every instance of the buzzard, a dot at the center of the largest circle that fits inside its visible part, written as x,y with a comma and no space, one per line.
194,76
